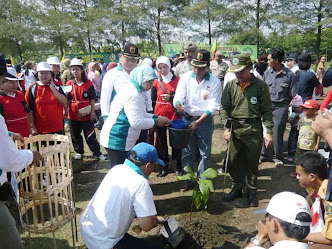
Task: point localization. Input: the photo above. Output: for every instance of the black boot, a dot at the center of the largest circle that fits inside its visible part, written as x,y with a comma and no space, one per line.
163,171
235,193
252,191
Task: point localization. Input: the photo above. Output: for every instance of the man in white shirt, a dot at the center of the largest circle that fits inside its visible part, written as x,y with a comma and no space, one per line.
292,62
198,96
123,194
11,160
287,222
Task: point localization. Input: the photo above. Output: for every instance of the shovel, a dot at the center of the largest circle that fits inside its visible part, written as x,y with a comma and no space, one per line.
173,233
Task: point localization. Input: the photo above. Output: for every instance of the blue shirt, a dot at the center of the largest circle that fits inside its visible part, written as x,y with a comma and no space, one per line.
306,84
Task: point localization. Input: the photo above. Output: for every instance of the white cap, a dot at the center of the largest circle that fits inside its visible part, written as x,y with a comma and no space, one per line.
43,66
76,62
297,101
12,74
286,206
54,60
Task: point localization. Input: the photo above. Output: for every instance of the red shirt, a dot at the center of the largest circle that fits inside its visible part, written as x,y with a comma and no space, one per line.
47,110
84,93
326,101
15,111
58,82
165,108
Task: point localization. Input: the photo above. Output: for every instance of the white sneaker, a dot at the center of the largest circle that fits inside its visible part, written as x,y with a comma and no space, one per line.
78,156
102,157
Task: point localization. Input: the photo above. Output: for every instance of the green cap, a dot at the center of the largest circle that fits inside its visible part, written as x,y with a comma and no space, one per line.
191,46
240,62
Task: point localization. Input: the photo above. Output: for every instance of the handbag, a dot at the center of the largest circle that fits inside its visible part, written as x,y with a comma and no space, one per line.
81,112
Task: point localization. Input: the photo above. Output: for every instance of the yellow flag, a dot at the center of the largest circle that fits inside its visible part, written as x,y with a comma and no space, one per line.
12,60
214,49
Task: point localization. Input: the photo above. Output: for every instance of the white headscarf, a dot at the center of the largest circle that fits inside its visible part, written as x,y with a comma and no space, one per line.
165,60
147,61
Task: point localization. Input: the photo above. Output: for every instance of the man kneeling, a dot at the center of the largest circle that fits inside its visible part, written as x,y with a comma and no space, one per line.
123,194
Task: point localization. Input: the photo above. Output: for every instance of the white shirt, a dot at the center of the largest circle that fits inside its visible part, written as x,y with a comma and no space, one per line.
285,244
122,194
295,68
198,98
28,79
11,159
229,77
112,83
127,117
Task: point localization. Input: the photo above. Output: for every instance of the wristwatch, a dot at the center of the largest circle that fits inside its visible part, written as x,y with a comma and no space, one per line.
255,241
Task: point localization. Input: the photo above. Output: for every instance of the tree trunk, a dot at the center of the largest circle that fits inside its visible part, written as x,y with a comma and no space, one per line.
209,23
19,49
257,24
158,31
319,31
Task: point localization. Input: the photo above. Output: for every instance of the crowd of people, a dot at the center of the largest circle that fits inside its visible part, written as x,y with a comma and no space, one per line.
133,101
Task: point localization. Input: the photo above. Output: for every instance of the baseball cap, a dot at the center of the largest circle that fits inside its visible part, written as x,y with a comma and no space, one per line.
189,45
240,62
293,56
43,66
76,62
297,101
286,206
201,58
54,60
304,57
12,74
310,104
147,153
131,51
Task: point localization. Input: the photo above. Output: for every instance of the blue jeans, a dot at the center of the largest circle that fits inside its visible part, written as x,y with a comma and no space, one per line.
292,141
199,147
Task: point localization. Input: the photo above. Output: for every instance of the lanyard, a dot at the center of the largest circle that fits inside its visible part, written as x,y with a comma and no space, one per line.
134,167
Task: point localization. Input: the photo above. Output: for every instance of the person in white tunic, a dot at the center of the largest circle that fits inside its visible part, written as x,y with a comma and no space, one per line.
287,223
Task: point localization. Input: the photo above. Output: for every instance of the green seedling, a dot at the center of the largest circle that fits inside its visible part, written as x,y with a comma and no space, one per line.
203,187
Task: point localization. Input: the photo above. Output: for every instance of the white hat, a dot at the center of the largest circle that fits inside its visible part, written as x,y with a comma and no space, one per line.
286,206
12,74
43,66
54,60
297,101
76,62
163,59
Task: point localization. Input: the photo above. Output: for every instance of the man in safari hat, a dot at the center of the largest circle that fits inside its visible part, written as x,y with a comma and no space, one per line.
189,49
218,67
245,103
198,96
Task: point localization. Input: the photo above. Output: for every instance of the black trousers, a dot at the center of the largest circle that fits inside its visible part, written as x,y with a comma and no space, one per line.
130,242
162,148
88,128
116,156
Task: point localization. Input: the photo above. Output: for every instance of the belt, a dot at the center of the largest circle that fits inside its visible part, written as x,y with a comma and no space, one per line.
247,120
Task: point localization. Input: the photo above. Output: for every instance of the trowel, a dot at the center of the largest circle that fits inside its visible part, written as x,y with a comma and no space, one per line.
173,233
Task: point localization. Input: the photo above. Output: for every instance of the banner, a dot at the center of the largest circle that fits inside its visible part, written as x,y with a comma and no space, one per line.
87,57
226,49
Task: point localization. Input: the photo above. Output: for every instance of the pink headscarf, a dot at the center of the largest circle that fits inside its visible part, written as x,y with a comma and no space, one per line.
94,78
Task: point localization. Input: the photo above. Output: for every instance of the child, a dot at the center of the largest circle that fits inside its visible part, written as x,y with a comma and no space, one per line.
294,116
308,139
13,106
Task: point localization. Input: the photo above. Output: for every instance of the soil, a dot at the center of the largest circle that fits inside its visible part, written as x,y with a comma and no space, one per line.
220,225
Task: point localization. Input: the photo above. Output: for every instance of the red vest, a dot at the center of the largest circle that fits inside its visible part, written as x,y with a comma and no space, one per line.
15,111
47,110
